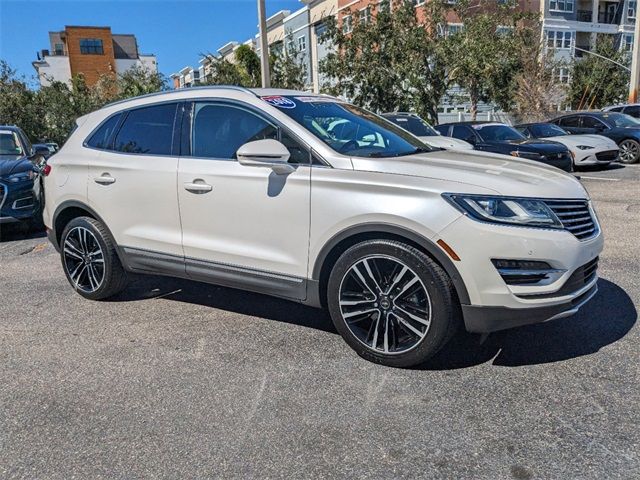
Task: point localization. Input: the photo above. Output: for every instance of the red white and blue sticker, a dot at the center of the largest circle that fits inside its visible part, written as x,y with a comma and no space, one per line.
280,102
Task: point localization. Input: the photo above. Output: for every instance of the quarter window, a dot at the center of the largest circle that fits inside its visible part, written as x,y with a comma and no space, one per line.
218,131
101,137
91,46
147,130
570,122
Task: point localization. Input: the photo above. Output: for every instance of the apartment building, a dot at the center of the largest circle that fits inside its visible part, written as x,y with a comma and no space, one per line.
90,51
571,26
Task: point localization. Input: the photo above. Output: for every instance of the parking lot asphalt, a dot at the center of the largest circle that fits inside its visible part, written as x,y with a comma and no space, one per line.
175,379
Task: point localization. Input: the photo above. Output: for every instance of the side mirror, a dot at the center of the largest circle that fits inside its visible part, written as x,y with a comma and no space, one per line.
265,153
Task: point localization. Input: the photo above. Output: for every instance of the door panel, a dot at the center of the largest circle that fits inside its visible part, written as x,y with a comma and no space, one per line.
251,220
134,189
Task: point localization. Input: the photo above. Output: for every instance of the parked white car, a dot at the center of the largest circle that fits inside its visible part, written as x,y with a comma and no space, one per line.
248,189
425,132
585,149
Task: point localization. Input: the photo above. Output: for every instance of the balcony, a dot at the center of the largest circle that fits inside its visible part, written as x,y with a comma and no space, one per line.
585,16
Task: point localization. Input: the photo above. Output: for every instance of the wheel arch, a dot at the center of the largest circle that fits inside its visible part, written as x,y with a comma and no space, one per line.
343,240
66,212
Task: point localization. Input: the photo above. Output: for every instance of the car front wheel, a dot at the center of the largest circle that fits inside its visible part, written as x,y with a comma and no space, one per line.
392,303
629,151
89,259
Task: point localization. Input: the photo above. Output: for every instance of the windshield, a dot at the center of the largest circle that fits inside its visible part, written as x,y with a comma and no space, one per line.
620,120
547,130
413,124
9,143
497,133
348,129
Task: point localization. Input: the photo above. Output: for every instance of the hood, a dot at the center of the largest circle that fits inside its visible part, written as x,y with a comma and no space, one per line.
572,141
537,144
446,142
10,164
502,174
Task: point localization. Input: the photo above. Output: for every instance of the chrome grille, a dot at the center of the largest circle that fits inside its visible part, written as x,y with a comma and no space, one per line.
575,217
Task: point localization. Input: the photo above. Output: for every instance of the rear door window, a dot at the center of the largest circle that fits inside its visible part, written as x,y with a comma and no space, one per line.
147,130
573,121
463,132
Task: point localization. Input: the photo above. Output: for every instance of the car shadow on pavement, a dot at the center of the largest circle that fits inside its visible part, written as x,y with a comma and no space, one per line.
228,299
12,232
602,321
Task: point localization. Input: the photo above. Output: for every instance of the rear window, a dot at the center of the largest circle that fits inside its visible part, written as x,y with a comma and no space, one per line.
414,125
147,130
101,137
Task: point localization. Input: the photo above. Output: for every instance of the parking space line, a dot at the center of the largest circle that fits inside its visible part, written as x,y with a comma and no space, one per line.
600,178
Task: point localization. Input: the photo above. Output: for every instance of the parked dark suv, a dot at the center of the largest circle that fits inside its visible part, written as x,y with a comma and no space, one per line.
621,128
20,182
500,138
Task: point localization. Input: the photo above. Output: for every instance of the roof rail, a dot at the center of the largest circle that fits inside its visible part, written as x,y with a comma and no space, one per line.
165,92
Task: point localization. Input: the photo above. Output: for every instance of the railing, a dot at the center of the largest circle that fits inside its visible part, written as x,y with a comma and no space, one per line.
585,16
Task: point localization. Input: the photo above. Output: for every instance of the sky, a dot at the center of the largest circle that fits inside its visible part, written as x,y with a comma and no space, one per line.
177,32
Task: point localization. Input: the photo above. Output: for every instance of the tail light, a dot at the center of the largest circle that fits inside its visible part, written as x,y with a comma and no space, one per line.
46,170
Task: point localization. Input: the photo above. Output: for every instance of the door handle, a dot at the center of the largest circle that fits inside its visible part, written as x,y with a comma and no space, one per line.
105,179
198,186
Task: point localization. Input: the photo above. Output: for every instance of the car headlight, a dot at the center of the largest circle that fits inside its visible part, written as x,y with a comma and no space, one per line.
527,155
22,176
584,147
526,212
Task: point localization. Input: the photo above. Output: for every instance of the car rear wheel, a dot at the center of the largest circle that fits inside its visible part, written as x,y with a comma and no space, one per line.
89,259
392,303
629,151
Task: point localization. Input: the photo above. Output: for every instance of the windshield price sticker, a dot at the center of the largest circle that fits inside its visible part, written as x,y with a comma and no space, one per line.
280,102
317,99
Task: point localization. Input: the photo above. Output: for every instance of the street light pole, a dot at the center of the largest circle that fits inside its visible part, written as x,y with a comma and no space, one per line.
264,46
635,65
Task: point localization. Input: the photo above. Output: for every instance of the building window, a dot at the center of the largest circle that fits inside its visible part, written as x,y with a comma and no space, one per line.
560,40
561,75
91,46
291,47
347,25
453,28
631,10
365,15
302,44
627,42
58,49
561,6
383,6
417,3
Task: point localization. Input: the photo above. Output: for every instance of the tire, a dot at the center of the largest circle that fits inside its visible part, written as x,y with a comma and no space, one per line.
407,282
629,151
95,276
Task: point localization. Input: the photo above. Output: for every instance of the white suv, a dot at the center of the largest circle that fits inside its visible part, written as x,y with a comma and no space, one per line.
312,199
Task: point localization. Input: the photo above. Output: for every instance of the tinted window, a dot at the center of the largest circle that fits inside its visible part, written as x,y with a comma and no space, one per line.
497,133
101,137
463,132
414,125
634,111
147,130
619,120
615,109
299,153
569,121
546,130
218,131
591,122
9,143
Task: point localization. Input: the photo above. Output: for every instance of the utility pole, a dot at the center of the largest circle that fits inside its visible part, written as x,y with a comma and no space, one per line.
264,46
635,65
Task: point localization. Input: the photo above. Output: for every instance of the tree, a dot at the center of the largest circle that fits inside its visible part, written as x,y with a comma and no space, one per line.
597,82
248,60
538,91
243,71
286,69
484,57
140,81
17,102
389,61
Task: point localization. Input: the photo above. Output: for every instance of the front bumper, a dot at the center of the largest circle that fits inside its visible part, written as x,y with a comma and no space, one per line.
18,201
602,156
495,305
